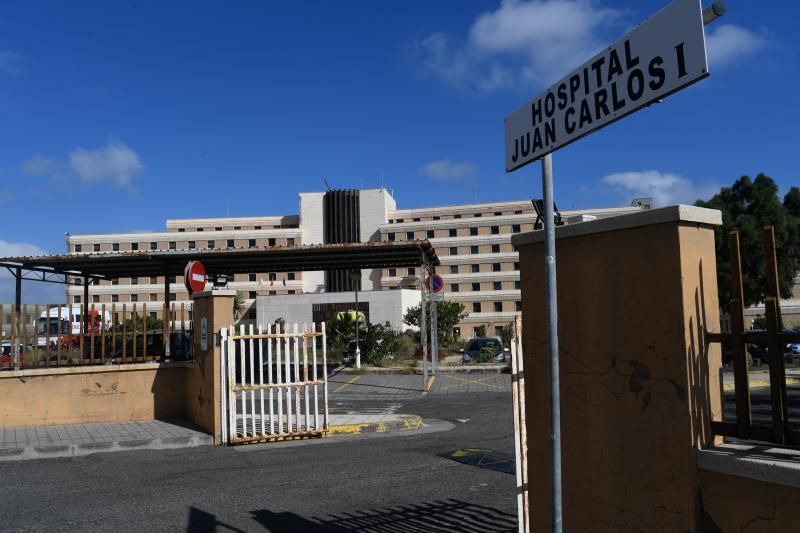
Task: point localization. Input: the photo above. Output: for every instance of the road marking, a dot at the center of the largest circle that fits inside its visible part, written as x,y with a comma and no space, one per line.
481,381
345,385
759,383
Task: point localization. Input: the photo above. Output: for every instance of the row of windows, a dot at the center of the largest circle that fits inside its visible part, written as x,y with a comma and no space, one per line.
452,232
497,307
235,228
476,287
240,228
271,276
154,297
454,269
476,249
478,331
476,268
456,216
190,245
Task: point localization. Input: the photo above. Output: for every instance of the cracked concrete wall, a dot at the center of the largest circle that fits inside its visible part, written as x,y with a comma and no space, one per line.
75,395
634,376
733,503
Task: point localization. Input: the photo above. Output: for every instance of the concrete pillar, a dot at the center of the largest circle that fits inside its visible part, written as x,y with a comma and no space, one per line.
212,311
639,386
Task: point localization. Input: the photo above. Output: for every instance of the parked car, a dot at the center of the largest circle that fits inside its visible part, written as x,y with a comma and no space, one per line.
759,354
792,352
484,350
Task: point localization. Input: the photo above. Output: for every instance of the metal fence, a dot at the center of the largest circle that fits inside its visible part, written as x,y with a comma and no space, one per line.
275,380
780,431
35,336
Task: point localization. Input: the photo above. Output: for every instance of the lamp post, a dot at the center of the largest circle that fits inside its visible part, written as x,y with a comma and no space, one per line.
355,277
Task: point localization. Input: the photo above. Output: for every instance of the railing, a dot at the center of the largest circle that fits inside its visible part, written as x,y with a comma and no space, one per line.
780,431
37,336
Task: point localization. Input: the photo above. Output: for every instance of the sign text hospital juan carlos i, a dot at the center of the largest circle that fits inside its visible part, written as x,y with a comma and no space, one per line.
660,56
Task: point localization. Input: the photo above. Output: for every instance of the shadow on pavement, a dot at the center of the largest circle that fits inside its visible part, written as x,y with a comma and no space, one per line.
438,516
203,522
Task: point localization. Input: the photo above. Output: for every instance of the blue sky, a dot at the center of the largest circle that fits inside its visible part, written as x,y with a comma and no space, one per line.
117,115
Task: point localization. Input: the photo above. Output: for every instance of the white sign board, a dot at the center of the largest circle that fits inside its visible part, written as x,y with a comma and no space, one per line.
664,54
436,296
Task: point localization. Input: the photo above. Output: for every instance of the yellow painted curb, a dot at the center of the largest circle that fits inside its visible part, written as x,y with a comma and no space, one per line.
759,383
404,423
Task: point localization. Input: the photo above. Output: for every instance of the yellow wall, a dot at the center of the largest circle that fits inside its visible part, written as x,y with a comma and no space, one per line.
92,394
634,377
733,503
113,393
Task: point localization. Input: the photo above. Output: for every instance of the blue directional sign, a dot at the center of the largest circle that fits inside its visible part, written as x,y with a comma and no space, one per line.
434,283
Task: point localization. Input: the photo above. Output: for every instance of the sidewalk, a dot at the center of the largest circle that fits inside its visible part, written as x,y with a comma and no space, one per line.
19,444
72,440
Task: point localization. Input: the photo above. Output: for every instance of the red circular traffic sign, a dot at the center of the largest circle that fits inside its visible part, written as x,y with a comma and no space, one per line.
434,283
194,277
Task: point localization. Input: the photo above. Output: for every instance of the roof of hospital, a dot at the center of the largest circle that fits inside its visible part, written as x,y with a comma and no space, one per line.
233,261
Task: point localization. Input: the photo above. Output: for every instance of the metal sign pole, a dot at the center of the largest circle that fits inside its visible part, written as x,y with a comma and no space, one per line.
423,324
434,336
552,340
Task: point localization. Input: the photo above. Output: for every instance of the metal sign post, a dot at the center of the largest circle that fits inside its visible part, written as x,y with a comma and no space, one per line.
434,284
423,325
552,338
434,335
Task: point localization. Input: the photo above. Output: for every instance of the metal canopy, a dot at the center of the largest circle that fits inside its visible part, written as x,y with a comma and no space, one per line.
233,261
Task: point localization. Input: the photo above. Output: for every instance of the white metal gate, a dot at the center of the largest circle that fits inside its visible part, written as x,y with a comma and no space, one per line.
275,380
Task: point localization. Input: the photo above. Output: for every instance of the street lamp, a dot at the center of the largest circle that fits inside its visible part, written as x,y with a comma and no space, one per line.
355,277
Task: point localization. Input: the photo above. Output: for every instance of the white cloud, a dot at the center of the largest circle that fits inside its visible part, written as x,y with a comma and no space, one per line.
18,249
726,44
534,41
446,169
115,163
664,188
32,292
39,165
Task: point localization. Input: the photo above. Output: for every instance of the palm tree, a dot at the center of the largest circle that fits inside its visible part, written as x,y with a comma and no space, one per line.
344,326
238,305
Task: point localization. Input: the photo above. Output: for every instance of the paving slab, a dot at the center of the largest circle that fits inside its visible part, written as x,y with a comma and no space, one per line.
70,440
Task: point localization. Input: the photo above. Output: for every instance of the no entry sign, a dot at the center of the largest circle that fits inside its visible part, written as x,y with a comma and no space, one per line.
434,283
194,277
664,54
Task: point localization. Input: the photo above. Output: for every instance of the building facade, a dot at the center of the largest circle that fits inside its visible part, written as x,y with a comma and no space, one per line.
473,242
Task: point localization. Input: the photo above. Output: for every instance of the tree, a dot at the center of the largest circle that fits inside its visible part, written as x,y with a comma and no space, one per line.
448,314
238,305
507,335
748,206
343,327
142,322
791,203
